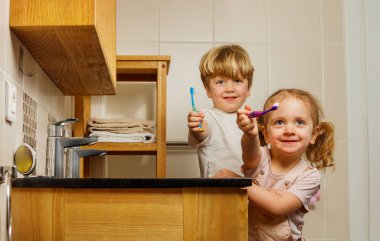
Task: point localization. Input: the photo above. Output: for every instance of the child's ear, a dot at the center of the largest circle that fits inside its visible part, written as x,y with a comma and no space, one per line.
208,92
315,134
265,134
249,91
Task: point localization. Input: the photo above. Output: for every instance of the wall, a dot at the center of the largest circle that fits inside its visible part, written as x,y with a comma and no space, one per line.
292,43
373,88
363,74
33,86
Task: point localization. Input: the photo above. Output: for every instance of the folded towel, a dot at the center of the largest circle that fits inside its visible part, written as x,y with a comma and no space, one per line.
104,136
97,122
120,126
121,130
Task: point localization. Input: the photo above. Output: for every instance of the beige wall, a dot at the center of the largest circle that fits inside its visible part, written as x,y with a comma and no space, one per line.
292,44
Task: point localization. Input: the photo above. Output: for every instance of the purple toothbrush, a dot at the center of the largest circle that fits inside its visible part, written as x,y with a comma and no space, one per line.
255,114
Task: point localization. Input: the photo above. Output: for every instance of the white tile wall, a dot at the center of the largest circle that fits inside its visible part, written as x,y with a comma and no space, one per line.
332,11
142,23
260,88
2,118
12,58
241,21
43,84
130,103
30,75
336,220
42,130
133,166
186,20
182,162
292,43
3,31
335,82
296,66
138,48
294,21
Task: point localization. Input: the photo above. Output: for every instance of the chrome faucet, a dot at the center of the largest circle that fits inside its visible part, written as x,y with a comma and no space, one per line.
72,159
57,142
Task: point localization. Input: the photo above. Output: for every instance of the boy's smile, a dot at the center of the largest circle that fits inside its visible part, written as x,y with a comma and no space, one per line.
228,94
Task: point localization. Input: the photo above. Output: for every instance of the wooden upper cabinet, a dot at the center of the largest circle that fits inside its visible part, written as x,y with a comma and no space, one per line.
73,41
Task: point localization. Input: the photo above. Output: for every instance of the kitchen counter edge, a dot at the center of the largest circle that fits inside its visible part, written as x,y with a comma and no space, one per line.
46,182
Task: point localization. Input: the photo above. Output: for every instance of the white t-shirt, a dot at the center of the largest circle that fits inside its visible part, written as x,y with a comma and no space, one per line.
222,147
304,187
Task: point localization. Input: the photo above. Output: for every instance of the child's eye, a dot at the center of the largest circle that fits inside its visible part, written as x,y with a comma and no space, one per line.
301,122
219,82
278,122
238,81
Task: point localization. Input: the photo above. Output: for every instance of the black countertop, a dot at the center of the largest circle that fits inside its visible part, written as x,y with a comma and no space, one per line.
46,182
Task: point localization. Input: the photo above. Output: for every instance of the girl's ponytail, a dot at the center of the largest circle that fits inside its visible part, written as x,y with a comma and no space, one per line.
320,154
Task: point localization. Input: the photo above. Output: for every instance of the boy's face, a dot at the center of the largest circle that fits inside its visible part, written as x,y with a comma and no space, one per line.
228,94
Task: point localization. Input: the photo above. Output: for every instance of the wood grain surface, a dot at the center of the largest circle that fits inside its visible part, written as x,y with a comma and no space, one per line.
161,214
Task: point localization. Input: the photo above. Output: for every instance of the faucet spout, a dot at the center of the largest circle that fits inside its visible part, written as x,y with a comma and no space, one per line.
65,142
84,153
72,163
78,141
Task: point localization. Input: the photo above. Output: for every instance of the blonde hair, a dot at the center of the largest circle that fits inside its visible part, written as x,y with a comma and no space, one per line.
320,154
227,60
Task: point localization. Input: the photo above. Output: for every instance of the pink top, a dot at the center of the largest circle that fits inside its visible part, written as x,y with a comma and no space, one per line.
304,187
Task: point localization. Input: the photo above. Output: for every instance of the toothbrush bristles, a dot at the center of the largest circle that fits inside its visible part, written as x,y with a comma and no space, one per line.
275,106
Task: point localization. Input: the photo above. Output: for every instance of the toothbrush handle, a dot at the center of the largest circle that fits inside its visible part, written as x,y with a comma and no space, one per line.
255,114
200,124
193,106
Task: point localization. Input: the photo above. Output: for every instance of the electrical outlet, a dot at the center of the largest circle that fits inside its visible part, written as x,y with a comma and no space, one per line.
10,101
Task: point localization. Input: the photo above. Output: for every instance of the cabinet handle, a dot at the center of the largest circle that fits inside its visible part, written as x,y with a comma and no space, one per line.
7,181
6,174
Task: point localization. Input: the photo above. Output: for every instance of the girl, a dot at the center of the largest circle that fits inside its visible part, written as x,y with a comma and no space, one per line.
283,183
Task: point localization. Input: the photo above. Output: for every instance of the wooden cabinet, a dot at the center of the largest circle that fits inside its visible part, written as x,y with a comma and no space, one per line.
122,214
133,68
73,41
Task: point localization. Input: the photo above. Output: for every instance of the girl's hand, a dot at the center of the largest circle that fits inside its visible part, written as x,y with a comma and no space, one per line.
225,173
195,118
246,124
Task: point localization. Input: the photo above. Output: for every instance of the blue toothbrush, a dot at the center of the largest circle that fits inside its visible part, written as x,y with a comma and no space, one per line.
193,106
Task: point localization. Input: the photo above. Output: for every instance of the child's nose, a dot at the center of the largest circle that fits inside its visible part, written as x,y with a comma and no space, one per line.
230,86
289,128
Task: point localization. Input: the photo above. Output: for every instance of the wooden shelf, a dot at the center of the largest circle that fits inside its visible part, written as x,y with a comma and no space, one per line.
123,147
73,41
134,68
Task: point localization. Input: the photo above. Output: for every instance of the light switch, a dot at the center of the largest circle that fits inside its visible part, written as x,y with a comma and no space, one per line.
10,101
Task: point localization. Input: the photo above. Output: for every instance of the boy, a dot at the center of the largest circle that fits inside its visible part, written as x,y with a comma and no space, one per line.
226,73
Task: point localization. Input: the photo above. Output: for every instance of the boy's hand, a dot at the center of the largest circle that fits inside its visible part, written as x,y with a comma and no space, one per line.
194,119
246,124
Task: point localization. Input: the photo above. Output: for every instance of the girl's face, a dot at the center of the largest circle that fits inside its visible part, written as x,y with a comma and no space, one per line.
290,129
228,94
